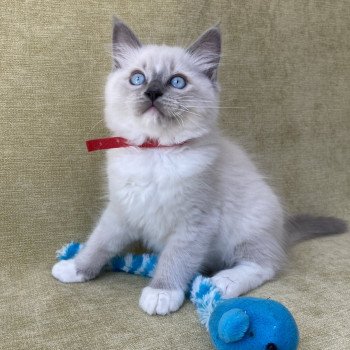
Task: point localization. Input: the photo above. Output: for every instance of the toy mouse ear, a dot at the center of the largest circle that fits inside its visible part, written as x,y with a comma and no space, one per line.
233,325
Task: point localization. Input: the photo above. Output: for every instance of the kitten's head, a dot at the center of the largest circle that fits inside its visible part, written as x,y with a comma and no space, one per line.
161,92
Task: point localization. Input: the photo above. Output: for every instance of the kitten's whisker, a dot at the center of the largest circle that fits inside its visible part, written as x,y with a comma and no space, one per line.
188,111
197,125
178,118
221,107
94,126
193,122
199,100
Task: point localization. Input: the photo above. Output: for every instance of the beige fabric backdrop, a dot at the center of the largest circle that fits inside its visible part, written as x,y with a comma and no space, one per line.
285,82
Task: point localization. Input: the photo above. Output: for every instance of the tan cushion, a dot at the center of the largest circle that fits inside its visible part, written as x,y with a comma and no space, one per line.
285,94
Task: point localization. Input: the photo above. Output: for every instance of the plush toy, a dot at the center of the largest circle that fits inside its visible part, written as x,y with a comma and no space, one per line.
242,323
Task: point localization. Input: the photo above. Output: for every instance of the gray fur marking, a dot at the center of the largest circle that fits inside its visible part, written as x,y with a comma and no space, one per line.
123,37
302,227
208,45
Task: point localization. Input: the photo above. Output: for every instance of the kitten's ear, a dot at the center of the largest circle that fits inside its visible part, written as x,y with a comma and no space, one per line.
206,50
124,40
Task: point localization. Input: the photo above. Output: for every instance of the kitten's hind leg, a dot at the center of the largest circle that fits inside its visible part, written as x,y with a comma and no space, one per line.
242,278
107,240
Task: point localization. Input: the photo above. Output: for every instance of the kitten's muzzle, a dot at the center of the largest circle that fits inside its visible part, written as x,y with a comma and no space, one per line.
154,90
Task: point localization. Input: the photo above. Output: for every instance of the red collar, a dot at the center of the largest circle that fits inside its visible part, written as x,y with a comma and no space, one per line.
119,142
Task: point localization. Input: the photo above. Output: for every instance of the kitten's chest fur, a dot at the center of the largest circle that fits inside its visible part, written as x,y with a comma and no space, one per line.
151,188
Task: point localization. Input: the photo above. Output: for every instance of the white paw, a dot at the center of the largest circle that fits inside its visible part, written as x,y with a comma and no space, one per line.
161,301
228,287
66,272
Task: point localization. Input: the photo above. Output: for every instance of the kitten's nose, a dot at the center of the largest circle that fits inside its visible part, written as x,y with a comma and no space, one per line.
153,94
154,91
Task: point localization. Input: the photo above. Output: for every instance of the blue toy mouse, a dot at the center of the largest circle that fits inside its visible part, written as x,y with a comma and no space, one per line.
252,323
242,323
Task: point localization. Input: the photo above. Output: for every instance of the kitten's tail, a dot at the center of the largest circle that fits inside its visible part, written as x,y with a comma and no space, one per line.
302,227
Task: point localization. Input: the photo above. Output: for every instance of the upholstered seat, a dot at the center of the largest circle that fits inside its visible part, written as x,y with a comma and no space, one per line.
285,95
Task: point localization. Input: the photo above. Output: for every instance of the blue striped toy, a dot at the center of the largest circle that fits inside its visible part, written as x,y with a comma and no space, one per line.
242,323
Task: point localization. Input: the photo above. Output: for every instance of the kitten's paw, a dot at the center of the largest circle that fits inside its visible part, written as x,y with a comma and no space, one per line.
161,301
228,287
66,272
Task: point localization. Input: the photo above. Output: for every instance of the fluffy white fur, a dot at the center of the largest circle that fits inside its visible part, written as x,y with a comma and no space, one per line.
203,205
160,59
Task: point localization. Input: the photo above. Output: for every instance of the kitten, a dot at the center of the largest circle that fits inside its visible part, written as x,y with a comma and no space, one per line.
200,203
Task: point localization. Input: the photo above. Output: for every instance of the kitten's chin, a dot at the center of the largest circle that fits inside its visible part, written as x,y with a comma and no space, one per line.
154,124
155,119
153,112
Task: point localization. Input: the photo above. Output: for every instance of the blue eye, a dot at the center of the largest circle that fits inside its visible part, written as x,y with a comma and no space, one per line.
178,82
137,78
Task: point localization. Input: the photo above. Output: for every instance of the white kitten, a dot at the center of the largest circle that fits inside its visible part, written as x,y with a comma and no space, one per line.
202,205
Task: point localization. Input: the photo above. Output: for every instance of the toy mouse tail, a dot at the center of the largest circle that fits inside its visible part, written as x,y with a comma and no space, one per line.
303,227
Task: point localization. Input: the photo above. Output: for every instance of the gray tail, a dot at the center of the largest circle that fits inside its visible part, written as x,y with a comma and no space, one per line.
303,227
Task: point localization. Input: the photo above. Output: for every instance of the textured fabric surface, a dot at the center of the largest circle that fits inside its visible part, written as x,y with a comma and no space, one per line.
285,95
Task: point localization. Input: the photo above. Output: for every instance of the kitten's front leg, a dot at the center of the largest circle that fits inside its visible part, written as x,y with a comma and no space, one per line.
180,260
107,240
165,293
